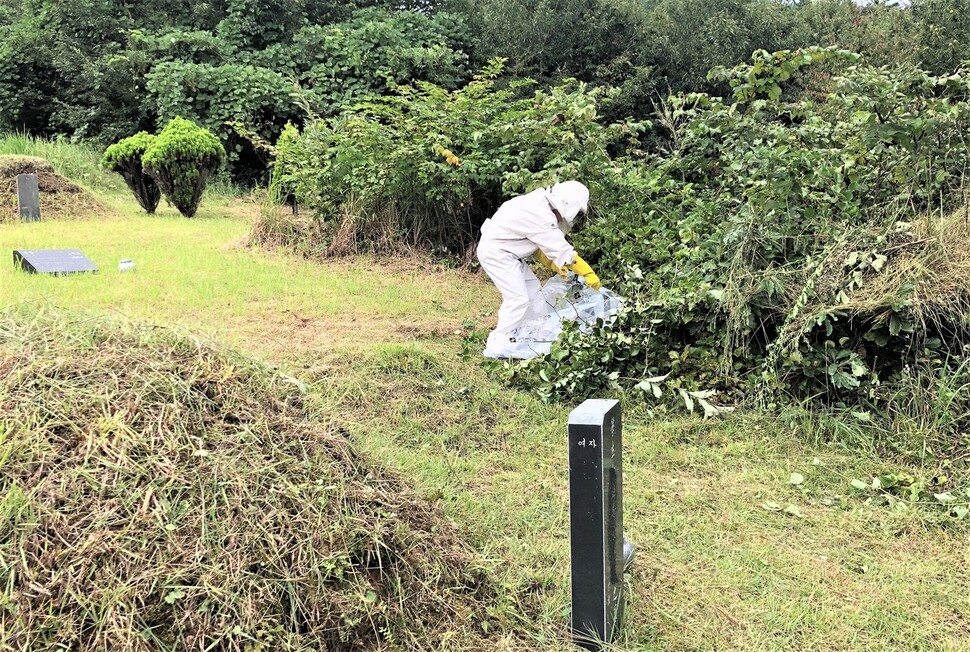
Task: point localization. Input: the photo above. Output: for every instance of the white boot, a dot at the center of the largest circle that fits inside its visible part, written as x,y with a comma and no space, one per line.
499,345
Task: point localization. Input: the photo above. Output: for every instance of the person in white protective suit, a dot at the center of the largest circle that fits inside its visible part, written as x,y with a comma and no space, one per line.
533,225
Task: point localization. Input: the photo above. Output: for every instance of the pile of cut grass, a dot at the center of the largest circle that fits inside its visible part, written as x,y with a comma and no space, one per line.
11,166
163,495
912,283
926,276
59,197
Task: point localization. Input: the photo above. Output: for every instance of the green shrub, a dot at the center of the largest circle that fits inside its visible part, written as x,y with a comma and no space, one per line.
125,158
181,160
427,166
770,253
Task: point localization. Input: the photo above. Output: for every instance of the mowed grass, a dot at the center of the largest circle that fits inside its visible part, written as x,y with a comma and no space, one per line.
718,568
198,273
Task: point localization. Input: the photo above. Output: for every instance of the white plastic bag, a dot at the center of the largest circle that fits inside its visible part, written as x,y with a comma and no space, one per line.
565,300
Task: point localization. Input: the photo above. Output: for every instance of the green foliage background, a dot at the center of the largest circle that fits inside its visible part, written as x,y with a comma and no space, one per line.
106,69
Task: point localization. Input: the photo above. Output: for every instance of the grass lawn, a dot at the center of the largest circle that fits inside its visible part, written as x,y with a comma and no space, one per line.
731,554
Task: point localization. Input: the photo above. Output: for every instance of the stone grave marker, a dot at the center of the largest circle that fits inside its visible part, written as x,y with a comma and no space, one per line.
52,261
596,522
28,198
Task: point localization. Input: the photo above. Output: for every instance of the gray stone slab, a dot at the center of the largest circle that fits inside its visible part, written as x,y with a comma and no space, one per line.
28,198
52,261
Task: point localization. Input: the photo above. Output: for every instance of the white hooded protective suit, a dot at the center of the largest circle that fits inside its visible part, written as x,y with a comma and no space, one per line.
519,228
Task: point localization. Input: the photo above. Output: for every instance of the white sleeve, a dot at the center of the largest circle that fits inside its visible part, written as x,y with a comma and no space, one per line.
553,244
528,221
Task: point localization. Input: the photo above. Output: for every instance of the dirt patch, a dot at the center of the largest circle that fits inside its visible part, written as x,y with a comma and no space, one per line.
303,336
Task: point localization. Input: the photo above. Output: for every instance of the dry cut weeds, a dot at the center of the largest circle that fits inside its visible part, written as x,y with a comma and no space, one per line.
926,277
159,494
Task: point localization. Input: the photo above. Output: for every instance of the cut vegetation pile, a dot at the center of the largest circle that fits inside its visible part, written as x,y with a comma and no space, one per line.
162,495
908,298
928,271
59,198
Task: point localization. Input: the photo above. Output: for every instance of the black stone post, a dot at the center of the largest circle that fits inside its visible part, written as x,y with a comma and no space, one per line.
596,522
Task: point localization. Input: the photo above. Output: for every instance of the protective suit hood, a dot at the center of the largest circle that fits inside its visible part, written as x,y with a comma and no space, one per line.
570,198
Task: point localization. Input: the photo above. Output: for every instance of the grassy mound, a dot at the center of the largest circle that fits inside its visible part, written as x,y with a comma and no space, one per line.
59,197
162,495
11,166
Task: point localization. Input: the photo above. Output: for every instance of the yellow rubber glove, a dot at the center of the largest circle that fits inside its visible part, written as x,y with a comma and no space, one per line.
582,268
544,260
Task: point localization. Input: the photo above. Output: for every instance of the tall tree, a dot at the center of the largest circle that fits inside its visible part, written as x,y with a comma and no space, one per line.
944,34
686,38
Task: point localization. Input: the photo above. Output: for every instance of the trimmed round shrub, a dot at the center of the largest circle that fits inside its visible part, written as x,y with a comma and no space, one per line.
181,160
124,157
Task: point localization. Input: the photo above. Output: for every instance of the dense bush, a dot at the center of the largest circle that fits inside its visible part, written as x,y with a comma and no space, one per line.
756,255
104,69
650,49
222,97
427,166
125,158
686,38
28,78
369,55
942,27
884,34
181,160
601,42
319,69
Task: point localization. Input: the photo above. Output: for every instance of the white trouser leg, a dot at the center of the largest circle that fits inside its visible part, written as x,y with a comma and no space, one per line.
521,294
533,286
